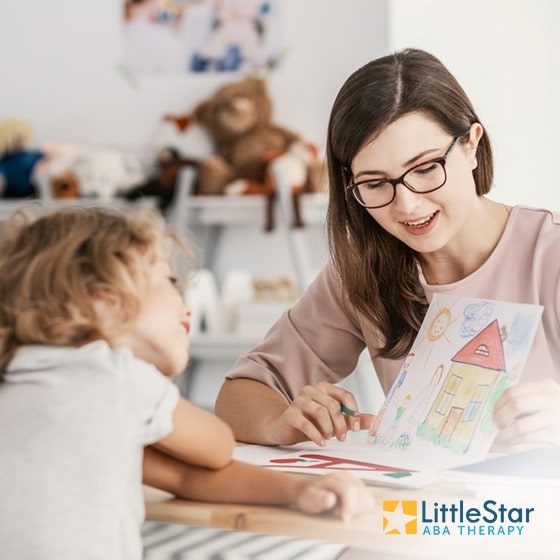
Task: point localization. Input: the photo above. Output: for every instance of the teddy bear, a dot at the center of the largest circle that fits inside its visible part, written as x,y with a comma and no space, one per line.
238,118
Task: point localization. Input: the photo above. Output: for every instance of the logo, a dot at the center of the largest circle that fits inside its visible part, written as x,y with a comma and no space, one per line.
400,517
491,518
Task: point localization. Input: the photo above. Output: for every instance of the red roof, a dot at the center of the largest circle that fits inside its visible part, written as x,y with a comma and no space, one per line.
484,350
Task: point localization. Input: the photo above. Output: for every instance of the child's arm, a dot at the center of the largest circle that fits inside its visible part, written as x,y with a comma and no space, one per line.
198,437
341,493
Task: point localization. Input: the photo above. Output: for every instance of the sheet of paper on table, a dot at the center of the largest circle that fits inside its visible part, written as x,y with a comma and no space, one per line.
355,455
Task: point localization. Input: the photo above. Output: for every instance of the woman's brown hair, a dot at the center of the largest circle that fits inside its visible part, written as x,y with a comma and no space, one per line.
379,273
53,268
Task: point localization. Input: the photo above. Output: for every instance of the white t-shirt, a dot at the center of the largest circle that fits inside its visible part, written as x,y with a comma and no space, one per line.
73,425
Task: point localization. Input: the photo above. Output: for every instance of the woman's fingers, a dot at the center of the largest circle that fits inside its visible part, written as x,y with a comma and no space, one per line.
528,413
319,408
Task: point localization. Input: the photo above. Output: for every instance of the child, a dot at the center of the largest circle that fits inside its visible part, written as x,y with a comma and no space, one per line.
91,325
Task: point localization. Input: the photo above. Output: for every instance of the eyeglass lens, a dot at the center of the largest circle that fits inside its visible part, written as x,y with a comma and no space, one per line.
423,178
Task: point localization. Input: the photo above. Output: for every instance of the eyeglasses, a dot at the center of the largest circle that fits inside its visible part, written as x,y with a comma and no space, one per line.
423,178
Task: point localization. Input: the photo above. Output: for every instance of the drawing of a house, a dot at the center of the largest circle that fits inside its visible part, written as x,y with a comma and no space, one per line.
457,409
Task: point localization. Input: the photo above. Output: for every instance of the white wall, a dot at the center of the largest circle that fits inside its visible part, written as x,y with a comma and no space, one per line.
506,54
60,64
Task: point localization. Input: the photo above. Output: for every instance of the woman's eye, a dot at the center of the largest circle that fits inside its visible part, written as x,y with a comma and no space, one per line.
173,280
374,185
426,169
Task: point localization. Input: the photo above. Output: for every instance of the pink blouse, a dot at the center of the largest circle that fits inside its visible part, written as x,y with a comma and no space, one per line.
320,339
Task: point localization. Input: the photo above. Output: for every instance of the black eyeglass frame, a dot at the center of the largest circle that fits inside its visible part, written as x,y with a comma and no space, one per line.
400,180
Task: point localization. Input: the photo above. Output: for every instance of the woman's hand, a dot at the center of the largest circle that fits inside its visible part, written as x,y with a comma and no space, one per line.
528,415
316,415
343,494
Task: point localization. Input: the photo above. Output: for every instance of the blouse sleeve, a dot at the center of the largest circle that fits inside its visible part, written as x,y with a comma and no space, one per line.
316,340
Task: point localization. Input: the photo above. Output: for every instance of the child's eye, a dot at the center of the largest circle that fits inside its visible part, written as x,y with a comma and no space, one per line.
173,280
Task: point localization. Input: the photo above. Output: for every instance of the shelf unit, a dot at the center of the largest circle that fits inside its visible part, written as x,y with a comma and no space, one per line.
208,219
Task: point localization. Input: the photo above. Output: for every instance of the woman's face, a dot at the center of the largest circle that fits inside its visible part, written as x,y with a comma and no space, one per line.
426,222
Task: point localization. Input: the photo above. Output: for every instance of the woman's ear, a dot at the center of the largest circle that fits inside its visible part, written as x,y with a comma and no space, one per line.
475,134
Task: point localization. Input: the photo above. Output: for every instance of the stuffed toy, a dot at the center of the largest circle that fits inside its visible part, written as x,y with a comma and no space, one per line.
65,185
17,159
86,172
162,180
238,118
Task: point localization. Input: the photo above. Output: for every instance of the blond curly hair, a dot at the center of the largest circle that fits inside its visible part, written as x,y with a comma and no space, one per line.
53,268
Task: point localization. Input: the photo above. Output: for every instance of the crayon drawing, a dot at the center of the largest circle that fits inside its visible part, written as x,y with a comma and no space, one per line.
467,352
306,461
354,455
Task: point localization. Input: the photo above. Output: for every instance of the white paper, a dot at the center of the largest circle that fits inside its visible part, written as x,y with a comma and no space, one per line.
438,414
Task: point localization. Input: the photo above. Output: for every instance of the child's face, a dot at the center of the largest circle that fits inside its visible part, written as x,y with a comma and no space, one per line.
160,334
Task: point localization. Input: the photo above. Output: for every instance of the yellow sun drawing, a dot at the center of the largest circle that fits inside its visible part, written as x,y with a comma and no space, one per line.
439,324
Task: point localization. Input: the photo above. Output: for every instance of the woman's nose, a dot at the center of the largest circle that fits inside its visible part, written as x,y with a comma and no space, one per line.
405,199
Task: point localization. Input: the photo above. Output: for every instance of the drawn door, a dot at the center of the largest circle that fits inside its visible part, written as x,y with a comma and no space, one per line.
452,420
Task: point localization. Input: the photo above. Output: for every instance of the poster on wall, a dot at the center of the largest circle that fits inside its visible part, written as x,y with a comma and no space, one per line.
200,36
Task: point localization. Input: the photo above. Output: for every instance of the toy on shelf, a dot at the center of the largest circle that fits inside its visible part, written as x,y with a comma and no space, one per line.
162,180
238,118
88,172
17,159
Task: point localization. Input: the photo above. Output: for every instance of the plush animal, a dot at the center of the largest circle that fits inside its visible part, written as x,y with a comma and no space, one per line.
162,180
17,159
238,118
89,172
65,185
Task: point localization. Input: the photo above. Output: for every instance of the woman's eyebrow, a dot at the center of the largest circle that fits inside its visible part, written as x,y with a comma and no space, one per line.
411,161
420,156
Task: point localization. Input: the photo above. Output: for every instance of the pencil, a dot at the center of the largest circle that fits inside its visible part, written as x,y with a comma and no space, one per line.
349,411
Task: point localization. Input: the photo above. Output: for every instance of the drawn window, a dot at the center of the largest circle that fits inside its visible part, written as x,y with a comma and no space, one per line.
448,393
478,398
482,350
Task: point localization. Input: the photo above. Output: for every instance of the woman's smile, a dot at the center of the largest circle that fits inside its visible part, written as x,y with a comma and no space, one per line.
423,225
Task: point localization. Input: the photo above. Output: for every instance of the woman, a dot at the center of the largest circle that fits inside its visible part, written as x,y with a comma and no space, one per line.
410,165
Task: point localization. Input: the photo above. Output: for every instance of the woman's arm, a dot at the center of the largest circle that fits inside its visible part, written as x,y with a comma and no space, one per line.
259,414
284,390
251,409
198,437
237,482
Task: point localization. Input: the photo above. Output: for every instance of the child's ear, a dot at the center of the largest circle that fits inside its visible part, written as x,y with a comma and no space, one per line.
109,313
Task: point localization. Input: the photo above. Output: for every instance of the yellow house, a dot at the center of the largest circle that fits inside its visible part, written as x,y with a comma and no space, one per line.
457,408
